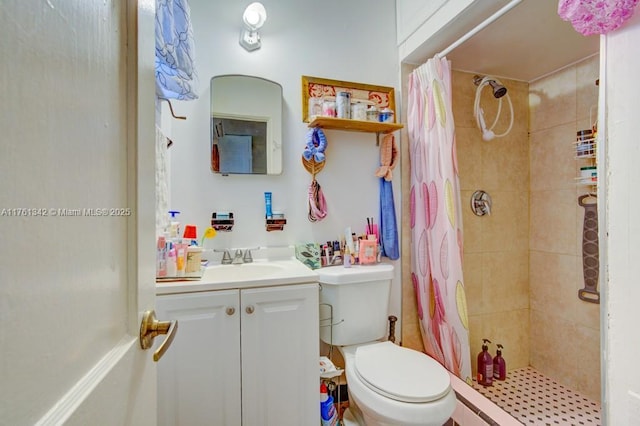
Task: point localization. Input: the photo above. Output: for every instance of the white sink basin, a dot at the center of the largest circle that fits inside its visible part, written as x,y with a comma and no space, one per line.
243,272
259,273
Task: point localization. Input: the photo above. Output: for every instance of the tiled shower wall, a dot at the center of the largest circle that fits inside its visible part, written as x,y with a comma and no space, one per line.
496,246
523,264
565,331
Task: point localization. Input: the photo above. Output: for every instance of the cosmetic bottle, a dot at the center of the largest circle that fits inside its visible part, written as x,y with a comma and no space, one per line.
267,205
485,365
172,265
347,257
499,365
174,225
161,257
367,253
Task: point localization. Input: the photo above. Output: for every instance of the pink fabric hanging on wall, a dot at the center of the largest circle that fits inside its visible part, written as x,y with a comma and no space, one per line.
596,16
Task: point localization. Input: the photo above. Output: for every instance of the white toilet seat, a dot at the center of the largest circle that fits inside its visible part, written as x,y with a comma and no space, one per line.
379,409
415,377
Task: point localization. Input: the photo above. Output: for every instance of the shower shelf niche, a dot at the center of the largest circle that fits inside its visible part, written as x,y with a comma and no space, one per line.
585,152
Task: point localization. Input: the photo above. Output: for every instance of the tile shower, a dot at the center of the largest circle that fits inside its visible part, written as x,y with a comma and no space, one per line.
523,263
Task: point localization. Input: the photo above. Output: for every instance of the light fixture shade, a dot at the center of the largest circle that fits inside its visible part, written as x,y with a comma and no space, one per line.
253,18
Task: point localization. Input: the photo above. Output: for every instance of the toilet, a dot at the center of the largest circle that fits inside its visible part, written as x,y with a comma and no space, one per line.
387,384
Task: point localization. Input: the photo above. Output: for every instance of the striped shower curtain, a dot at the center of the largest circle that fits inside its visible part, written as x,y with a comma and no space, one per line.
436,218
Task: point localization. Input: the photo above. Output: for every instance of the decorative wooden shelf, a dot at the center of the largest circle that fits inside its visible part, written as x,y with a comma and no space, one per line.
353,125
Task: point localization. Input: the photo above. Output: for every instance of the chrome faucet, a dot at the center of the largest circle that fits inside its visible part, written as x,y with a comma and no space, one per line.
237,258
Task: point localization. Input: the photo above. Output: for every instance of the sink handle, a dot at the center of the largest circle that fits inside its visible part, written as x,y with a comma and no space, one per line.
226,257
247,256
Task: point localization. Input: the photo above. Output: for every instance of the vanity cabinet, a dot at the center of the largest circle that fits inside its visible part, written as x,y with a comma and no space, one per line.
241,357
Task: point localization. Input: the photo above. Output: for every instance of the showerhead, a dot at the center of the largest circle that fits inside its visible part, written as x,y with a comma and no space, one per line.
498,89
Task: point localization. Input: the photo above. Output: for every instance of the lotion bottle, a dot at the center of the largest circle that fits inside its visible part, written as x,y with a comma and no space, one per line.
499,365
485,365
172,265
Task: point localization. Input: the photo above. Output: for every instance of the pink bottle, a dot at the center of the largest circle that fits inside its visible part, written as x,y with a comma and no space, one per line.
499,365
485,365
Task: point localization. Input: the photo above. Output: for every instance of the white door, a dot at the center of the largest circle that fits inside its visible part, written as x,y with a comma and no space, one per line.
76,212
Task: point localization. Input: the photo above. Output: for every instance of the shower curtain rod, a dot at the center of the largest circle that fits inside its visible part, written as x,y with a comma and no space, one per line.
479,27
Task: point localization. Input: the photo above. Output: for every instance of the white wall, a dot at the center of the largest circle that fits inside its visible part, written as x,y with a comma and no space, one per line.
623,207
349,41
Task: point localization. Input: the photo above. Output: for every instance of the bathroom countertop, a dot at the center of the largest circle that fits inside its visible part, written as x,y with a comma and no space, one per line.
259,273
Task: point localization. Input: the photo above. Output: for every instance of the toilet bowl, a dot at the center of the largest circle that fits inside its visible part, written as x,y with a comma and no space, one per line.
387,384
392,385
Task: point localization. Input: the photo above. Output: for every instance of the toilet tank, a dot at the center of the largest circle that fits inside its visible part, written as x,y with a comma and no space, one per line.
354,303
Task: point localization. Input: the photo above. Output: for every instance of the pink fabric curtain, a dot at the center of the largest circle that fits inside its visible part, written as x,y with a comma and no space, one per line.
436,218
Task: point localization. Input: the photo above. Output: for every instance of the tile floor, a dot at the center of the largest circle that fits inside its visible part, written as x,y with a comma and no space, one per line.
533,399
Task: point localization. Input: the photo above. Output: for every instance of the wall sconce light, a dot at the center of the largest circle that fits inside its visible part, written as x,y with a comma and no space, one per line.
253,18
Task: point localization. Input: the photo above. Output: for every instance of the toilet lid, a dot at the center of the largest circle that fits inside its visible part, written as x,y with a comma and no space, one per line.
401,373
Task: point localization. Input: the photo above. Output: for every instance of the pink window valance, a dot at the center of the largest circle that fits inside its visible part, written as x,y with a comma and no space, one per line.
596,16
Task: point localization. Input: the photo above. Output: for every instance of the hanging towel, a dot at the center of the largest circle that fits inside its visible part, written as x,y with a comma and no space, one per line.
388,225
162,184
176,76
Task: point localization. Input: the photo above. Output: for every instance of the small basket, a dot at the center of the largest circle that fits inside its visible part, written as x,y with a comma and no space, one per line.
312,166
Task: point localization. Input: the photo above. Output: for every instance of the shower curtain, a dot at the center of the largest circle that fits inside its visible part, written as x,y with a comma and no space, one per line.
436,218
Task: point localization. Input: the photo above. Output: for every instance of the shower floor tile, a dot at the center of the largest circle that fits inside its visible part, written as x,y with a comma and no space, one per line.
534,399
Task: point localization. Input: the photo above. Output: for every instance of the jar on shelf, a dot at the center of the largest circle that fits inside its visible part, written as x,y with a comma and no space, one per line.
386,115
358,111
329,107
315,106
373,113
343,105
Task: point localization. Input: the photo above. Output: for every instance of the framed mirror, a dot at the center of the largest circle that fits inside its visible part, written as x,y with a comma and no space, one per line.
246,125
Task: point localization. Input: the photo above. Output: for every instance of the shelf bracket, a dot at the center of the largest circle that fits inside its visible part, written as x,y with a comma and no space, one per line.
377,138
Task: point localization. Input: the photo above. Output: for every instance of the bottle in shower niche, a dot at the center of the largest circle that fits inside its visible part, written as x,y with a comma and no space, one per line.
485,365
499,365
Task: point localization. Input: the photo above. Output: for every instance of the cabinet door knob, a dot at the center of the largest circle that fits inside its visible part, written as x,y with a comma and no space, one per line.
250,309
231,310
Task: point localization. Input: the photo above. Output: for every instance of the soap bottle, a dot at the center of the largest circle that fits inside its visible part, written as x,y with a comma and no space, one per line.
172,265
485,365
499,365
174,225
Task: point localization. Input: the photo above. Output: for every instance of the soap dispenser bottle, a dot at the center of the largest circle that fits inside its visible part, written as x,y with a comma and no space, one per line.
485,365
499,365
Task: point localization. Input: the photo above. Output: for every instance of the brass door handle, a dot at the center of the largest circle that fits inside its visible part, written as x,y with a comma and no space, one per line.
151,327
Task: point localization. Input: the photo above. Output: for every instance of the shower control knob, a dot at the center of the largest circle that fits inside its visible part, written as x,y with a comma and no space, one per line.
250,309
231,310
